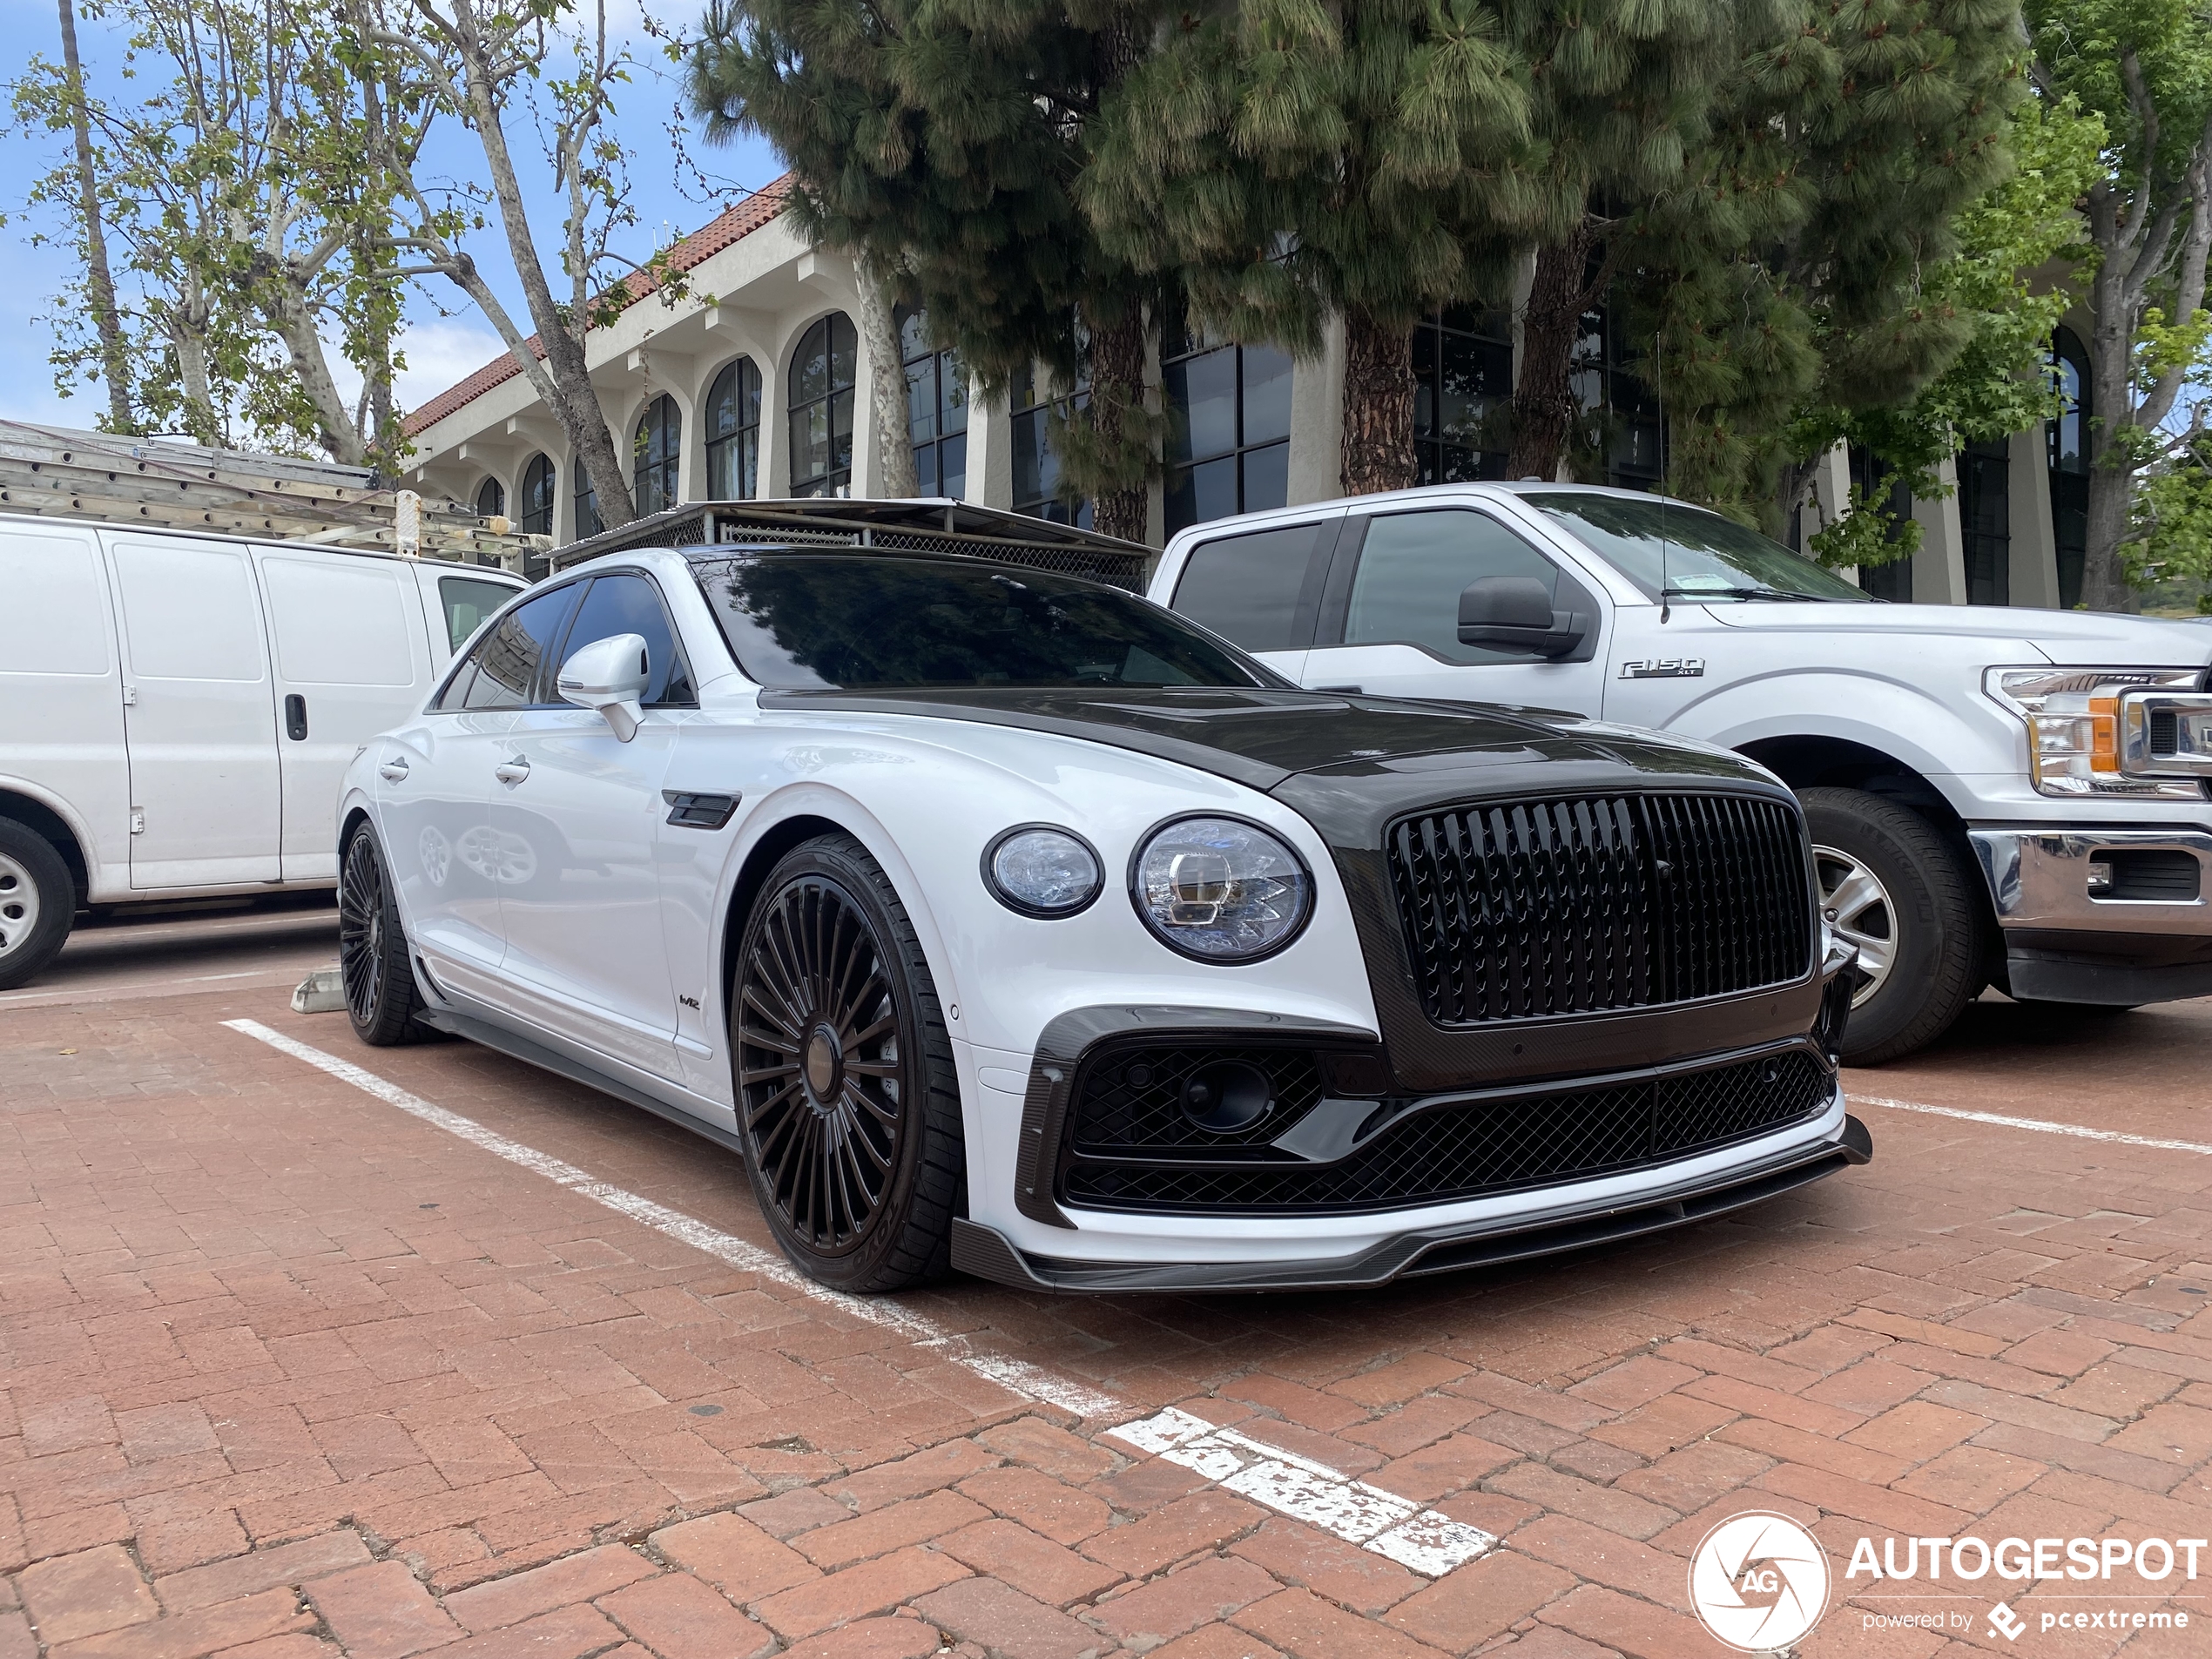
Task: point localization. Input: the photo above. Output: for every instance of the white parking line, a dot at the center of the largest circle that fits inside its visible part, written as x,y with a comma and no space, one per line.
1423,1540
2039,1126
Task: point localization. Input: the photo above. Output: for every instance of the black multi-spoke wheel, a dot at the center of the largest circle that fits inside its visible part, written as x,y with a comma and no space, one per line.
381,998
847,1094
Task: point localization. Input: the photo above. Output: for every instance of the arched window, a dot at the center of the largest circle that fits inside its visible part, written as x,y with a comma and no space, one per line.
491,498
734,433
2066,436
655,447
936,409
821,407
536,504
587,501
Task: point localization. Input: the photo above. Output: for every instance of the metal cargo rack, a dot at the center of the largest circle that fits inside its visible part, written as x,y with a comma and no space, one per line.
928,526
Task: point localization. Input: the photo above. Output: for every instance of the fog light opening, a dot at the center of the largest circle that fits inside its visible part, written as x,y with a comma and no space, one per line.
1226,1097
2100,875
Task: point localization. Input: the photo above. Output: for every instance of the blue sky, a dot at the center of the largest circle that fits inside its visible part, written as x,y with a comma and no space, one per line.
445,336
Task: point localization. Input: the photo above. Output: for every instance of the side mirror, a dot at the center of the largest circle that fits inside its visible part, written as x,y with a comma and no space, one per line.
1516,613
609,675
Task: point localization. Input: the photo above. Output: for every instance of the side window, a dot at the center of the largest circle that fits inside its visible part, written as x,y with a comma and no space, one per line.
467,600
631,604
504,670
1259,590
1413,568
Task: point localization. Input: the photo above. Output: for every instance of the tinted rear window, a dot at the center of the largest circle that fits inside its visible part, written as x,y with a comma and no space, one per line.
812,620
1257,589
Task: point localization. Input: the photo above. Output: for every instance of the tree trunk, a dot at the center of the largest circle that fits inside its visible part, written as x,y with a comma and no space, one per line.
1117,357
1544,408
1378,405
2104,578
294,324
894,446
100,283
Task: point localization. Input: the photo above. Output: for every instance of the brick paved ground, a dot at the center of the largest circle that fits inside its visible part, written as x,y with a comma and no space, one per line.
285,1372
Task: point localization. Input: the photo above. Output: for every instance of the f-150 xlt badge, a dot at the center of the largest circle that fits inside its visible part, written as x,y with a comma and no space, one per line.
1663,668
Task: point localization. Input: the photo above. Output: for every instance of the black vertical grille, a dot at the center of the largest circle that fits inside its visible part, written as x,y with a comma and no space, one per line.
1516,910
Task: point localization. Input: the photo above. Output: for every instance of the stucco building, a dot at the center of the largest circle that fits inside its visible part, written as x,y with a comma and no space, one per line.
752,383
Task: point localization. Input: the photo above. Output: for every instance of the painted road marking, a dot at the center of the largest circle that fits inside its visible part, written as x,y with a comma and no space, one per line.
1382,1522
2039,1126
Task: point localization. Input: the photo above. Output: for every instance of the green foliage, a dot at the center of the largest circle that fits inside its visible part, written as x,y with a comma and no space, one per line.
1867,534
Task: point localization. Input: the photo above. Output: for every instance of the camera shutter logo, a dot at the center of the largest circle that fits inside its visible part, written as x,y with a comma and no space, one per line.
1759,1581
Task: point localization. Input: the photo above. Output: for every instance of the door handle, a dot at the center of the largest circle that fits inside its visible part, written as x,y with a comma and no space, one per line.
512,771
295,718
393,771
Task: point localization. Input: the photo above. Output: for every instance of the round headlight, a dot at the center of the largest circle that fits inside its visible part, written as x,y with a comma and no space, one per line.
1220,889
1041,870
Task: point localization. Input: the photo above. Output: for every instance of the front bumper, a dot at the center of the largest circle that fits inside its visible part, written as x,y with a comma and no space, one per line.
2145,936
1570,1220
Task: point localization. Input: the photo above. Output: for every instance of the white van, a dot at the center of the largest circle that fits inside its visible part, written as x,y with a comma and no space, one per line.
176,710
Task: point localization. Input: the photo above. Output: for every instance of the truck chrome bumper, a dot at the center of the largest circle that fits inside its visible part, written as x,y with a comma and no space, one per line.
2119,917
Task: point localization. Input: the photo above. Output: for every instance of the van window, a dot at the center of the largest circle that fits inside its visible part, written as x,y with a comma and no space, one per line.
338,625
1259,590
190,611
467,600
631,604
1412,567
506,670
56,613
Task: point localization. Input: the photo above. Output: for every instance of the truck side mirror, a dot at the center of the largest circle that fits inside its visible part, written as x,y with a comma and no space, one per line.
1516,613
609,675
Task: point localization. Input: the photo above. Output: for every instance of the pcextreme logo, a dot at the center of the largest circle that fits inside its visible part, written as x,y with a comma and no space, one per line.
1759,1581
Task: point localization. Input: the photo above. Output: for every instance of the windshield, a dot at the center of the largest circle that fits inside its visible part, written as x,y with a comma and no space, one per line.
1706,558
818,621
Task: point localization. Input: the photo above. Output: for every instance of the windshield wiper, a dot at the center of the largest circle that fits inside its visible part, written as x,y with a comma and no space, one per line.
1776,594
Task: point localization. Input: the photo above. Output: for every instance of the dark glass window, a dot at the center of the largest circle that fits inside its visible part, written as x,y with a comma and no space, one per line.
1228,427
491,498
655,449
936,409
1259,590
626,603
1702,556
1412,569
1462,395
1627,413
1036,469
2067,438
817,621
822,373
587,501
1872,476
467,601
734,433
1986,520
507,670
535,515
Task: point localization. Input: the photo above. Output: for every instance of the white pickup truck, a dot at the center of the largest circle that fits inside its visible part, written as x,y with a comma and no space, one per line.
2006,797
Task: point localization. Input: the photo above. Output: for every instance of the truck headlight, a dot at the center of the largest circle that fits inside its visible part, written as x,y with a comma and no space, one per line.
2073,720
1220,889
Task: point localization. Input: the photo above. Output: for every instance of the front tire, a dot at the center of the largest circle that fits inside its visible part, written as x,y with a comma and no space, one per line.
848,1103
382,999
38,904
1891,884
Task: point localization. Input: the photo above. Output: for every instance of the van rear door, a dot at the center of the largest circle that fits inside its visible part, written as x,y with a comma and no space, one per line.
351,660
199,714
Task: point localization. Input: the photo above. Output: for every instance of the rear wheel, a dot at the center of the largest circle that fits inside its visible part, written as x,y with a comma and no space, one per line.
848,1102
381,997
38,903
1893,885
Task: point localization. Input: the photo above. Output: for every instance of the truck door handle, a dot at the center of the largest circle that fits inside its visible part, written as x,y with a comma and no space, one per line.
512,771
393,771
295,718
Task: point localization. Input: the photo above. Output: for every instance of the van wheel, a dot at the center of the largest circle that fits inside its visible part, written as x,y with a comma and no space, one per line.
1891,884
381,997
38,903
848,1103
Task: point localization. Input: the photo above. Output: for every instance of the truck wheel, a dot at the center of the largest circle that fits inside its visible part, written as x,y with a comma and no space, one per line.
1891,884
847,1099
38,903
381,996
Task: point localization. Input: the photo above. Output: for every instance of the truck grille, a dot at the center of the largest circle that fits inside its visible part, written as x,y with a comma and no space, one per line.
1453,1153
1516,910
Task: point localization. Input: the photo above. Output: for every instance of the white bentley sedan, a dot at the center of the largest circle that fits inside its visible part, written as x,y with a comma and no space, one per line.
999,920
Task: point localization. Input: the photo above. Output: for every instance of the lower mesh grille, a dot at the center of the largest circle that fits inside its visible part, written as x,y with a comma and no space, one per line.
1467,1152
1132,1098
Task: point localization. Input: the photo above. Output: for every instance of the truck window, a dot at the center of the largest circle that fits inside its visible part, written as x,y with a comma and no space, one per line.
1260,591
1412,567
467,601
